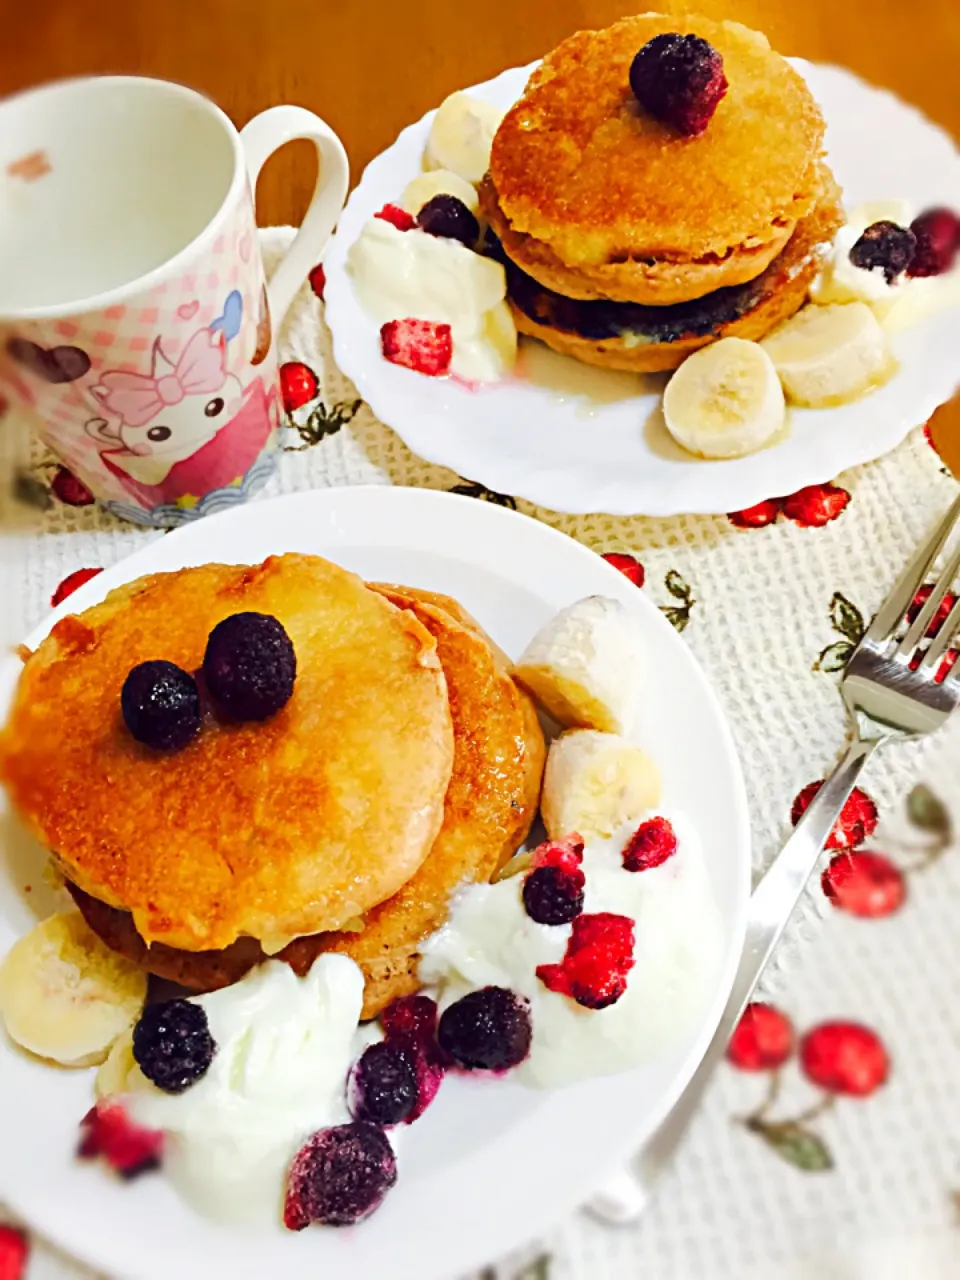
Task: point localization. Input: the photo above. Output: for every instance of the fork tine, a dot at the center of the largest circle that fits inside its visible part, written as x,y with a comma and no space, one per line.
940,642
898,602
918,628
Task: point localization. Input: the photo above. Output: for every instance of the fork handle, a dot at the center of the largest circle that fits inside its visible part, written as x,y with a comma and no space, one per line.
622,1200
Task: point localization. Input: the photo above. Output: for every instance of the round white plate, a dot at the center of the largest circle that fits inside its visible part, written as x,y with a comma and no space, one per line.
491,1164
580,440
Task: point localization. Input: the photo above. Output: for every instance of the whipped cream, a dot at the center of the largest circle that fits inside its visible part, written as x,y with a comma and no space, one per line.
490,939
410,274
284,1048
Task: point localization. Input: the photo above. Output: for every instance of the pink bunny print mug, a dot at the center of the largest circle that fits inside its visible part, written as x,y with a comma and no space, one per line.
137,325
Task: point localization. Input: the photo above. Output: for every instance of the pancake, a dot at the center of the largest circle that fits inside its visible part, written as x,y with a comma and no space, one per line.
269,830
623,200
620,335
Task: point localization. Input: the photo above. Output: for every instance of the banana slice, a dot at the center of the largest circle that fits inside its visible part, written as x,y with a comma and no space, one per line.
724,401
585,666
65,996
595,782
461,136
114,1073
438,182
829,355
865,215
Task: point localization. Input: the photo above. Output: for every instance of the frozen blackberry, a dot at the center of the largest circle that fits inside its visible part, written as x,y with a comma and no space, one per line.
250,666
449,217
172,1044
339,1177
161,705
552,895
383,1085
885,245
488,1030
938,241
680,80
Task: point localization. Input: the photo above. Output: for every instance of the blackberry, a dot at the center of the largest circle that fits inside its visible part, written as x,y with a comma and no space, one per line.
449,217
160,703
552,895
887,246
680,80
339,1177
383,1085
250,666
172,1044
487,1030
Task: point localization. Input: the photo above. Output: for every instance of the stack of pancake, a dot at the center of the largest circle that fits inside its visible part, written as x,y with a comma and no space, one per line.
629,245
406,763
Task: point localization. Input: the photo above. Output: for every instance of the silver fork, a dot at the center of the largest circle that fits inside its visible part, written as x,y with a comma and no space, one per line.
886,700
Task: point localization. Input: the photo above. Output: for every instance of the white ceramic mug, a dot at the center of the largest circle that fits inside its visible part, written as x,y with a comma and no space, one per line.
136,323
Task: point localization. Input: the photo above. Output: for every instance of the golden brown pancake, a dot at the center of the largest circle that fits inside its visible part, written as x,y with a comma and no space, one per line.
272,829
633,210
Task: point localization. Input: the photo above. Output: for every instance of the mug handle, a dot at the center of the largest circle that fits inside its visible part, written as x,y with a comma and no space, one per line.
263,135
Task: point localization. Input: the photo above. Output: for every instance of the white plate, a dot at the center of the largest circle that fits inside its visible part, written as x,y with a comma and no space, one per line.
490,1164
580,440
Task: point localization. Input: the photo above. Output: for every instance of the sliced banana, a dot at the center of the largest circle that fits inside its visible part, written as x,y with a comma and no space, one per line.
65,996
500,333
461,136
438,182
595,782
725,400
586,665
112,1077
829,355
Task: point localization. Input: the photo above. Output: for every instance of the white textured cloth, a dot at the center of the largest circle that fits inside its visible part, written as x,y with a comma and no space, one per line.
761,605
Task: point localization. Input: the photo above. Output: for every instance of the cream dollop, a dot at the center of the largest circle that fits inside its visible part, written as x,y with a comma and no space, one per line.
490,939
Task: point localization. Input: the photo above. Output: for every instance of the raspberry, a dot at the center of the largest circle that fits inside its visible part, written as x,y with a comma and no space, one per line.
865,884
598,958
940,617
763,1039
318,280
937,233
553,896
71,583
250,666
816,505
449,217
109,1132
397,217
13,1253
411,1024
629,566
383,1085
857,821
757,517
421,345
339,1177
172,1044
844,1057
566,854
71,491
887,246
680,80
653,842
161,705
487,1030
298,385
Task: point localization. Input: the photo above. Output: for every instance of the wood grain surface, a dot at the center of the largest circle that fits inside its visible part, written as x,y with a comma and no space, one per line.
371,66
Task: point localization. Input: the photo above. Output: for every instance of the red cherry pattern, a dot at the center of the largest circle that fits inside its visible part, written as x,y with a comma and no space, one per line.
940,617
845,1058
864,884
298,385
857,821
318,280
14,1251
763,1040
757,517
811,508
70,490
629,566
71,583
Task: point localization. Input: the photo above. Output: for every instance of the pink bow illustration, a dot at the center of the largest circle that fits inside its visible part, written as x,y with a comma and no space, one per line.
138,397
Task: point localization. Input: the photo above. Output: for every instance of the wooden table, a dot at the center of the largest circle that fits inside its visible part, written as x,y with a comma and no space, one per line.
371,66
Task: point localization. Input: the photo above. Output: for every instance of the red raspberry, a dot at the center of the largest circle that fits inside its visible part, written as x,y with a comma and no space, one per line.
421,345
298,385
397,217
69,489
865,884
940,617
680,80
108,1131
857,821
318,280
938,240
653,842
844,1057
71,583
598,958
565,854
816,505
757,517
628,565
763,1039
14,1249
